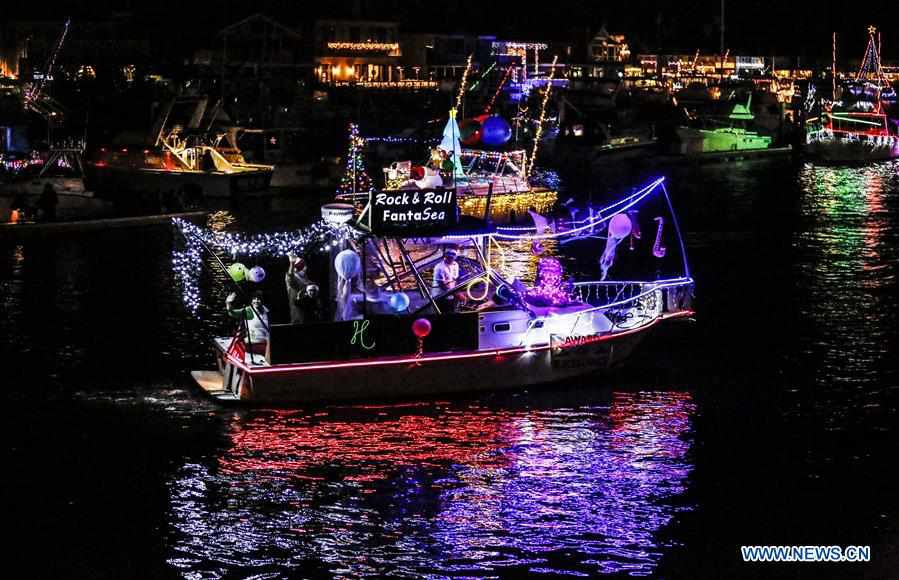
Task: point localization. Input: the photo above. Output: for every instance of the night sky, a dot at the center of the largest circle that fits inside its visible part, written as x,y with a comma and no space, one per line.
756,27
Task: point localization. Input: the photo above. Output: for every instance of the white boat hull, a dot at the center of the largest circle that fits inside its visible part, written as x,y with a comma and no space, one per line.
840,148
434,374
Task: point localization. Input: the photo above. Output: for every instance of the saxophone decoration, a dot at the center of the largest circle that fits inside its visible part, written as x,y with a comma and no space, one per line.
658,250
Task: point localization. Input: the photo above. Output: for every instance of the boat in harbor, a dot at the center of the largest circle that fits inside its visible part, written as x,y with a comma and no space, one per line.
401,326
856,127
853,136
61,168
737,135
190,148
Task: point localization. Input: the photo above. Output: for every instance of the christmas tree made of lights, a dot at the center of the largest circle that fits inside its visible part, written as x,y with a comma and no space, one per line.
355,179
870,69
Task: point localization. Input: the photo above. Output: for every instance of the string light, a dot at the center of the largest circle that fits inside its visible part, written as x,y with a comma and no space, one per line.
188,263
463,83
539,134
502,82
396,140
550,289
365,46
355,178
414,84
515,48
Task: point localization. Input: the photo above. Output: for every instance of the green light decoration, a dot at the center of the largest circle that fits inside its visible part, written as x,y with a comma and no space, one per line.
355,179
852,120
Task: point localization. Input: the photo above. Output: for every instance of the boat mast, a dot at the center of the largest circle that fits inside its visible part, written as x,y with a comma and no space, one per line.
833,68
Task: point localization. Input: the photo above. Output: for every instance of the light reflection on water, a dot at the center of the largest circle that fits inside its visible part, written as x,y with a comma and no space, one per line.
439,490
848,265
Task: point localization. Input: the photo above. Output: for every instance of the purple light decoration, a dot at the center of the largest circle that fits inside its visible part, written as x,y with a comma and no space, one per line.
550,289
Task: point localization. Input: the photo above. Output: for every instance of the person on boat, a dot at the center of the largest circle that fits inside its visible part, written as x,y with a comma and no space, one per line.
296,283
256,317
446,276
47,203
310,304
302,293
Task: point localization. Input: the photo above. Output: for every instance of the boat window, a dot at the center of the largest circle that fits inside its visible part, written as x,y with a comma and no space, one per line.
502,327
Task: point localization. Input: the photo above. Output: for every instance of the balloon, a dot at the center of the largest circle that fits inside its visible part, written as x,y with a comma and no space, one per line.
620,226
399,301
347,264
256,274
470,132
495,131
418,172
237,271
421,327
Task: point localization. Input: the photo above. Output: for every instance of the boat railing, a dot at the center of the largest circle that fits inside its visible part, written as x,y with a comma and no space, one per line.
658,297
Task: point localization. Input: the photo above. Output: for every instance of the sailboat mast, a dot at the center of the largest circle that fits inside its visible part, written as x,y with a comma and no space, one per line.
833,68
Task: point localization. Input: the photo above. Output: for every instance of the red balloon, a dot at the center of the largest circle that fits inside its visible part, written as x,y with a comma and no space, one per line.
421,327
470,132
418,172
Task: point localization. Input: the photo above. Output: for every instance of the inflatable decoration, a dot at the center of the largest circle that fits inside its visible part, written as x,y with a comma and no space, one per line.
620,226
495,131
470,130
256,274
421,327
399,301
237,271
418,172
348,266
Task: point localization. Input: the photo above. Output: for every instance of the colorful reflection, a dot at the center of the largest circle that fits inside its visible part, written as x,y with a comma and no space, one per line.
848,253
438,489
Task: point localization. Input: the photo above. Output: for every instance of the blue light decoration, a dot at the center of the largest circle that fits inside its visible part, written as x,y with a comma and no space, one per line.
187,263
495,131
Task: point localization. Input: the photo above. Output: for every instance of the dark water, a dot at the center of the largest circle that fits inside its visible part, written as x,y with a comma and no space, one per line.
771,420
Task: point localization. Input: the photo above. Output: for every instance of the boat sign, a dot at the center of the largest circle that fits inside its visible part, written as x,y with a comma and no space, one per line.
415,211
570,352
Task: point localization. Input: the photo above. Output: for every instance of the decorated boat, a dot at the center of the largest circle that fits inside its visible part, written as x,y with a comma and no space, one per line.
856,127
470,171
853,136
189,149
422,302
